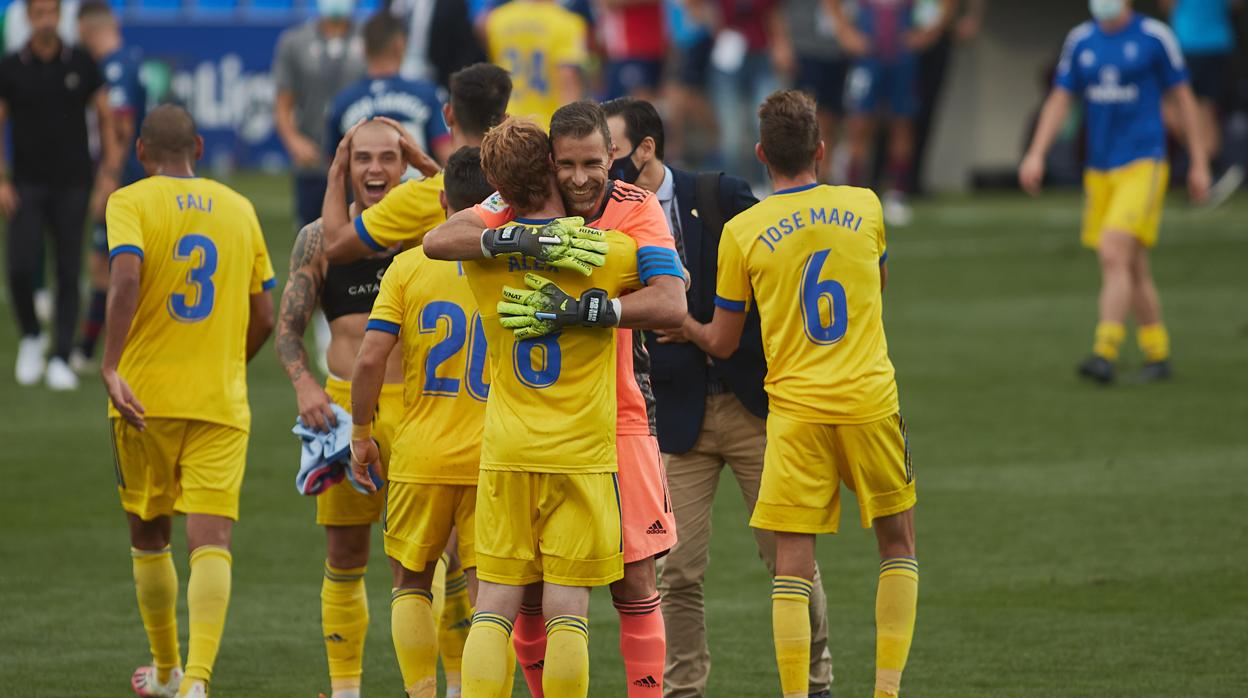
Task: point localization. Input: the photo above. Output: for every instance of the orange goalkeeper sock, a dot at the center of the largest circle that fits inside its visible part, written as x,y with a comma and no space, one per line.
643,646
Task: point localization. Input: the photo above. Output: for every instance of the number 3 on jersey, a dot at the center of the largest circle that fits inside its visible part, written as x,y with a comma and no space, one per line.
193,307
815,294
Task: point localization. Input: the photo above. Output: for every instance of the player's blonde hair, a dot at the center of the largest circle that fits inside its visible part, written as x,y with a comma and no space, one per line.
515,156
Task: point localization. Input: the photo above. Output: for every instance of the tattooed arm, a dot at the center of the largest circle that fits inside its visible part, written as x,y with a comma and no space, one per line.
299,299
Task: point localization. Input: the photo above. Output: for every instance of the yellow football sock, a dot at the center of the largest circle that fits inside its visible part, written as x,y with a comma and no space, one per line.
1154,342
790,627
1109,336
207,599
453,627
485,656
156,583
509,673
895,605
415,640
566,674
344,623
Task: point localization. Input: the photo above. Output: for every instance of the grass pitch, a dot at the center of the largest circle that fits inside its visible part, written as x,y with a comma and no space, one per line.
1074,540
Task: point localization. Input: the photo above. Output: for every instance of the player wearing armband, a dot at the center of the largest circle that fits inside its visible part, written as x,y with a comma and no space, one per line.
555,499
188,306
1122,65
813,258
426,307
580,148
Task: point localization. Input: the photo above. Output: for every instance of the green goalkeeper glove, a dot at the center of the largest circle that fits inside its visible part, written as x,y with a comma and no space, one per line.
564,243
547,308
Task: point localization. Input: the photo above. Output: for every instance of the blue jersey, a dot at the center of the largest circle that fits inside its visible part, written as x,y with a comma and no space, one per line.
413,103
127,95
1121,78
886,23
1203,26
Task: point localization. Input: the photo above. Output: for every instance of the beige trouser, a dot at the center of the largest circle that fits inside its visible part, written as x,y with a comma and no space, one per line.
730,436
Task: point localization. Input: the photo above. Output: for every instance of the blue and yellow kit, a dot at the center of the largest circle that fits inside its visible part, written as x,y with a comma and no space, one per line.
810,258
533,41
547,499
1121,78
437,450
404,216
203,256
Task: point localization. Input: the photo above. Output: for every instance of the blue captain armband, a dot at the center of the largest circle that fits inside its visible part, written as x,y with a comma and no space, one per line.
383,326
658,261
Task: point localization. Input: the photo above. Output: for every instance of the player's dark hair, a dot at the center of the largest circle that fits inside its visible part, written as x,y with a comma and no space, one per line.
464,180
380,32
641,120
168,134
578,120
788,132
94,9
479,96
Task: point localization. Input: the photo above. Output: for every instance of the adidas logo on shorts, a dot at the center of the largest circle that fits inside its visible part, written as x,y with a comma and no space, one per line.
647,682
656,529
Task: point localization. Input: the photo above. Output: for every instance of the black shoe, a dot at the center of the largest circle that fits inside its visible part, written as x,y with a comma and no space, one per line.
821,694
1097,368
1155,371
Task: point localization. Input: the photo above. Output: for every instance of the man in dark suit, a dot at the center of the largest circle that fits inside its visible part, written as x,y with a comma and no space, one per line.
710,413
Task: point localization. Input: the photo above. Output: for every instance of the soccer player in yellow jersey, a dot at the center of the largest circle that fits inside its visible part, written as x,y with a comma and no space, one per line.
479,95
813,257
547,506
346,294
543,46
426,307
188,306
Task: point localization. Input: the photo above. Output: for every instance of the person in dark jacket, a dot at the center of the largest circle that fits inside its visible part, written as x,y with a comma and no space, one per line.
710,413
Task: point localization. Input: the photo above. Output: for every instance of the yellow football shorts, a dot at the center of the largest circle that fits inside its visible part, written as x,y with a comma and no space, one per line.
1127,199
179,466
419,519
342,504
804,465
554,527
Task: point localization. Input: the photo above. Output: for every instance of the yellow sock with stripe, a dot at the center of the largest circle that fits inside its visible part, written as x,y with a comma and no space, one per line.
156,584
344,624
1154,342
486,656
896,601
207,600
790,627
1109,336
453,627
566,673
415,640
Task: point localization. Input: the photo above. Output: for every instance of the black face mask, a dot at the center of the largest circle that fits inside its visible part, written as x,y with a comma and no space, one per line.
625,170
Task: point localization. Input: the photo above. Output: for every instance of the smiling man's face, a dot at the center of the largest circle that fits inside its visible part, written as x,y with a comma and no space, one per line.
377,165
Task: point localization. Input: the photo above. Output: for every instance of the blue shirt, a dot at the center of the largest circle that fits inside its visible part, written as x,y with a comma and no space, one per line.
126,94
1121,78
413,103
1203,26
886,23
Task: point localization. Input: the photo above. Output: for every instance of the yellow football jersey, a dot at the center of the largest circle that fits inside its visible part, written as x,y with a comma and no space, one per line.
533,40
552,399
811,258
404,216
427,303
203,256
